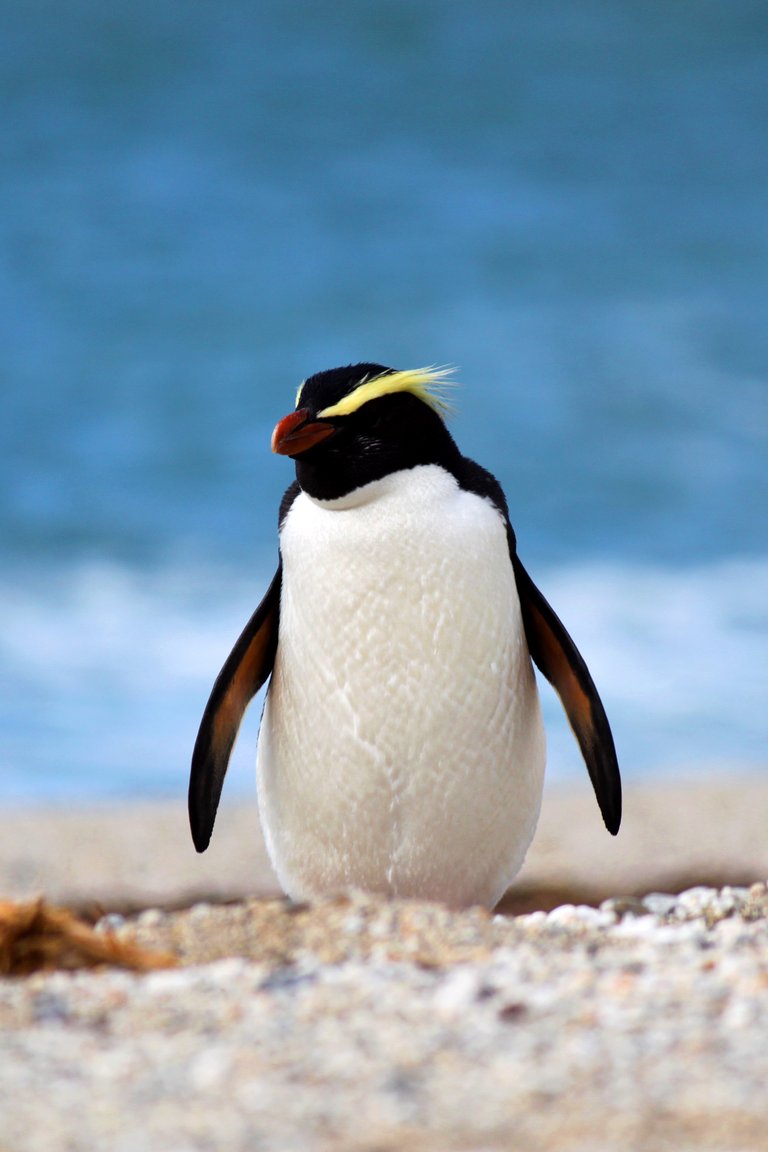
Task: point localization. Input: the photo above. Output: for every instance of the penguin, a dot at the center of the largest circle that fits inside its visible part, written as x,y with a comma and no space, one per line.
401,749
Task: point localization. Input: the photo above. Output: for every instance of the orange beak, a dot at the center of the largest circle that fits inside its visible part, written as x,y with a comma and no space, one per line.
294,434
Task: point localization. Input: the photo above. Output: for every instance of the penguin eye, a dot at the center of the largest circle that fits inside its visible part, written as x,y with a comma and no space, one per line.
367,421
376,419
380,415
384,417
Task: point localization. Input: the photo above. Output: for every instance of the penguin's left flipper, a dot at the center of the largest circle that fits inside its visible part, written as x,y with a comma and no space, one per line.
247,667
559,660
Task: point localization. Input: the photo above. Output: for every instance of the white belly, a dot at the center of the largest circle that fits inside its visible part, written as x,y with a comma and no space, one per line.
401,748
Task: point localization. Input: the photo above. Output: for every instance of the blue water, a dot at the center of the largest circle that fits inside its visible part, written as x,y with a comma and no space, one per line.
200,204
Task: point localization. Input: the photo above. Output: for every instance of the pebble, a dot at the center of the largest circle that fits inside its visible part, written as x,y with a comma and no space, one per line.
112,922
361,1024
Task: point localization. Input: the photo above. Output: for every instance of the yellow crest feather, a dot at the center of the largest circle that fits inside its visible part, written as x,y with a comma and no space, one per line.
428,384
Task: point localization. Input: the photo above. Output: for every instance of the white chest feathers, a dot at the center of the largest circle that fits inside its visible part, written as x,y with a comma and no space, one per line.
401,748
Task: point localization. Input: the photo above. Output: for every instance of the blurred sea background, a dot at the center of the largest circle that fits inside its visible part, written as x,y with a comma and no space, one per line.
203,203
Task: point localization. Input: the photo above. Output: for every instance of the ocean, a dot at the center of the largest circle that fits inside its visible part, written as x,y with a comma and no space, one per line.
201,204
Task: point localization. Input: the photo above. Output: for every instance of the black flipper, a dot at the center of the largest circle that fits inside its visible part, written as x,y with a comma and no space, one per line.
247,667
557,657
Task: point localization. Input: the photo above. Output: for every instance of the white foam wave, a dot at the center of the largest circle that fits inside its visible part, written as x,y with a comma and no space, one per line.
679,656
104,671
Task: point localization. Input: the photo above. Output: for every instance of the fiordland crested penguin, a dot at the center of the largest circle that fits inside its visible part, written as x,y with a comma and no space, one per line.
401,747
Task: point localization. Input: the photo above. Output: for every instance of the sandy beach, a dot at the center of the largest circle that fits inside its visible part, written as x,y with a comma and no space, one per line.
619,999
132,856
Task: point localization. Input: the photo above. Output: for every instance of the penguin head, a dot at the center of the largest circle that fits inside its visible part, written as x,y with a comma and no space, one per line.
357,424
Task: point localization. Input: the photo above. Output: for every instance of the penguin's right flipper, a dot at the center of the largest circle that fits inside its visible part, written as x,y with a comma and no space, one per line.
559,660
247,667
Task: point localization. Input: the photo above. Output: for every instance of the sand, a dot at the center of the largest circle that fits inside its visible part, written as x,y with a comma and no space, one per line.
674,835
363,1024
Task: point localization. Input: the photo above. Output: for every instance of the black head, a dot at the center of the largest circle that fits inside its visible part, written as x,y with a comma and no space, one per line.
356,424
